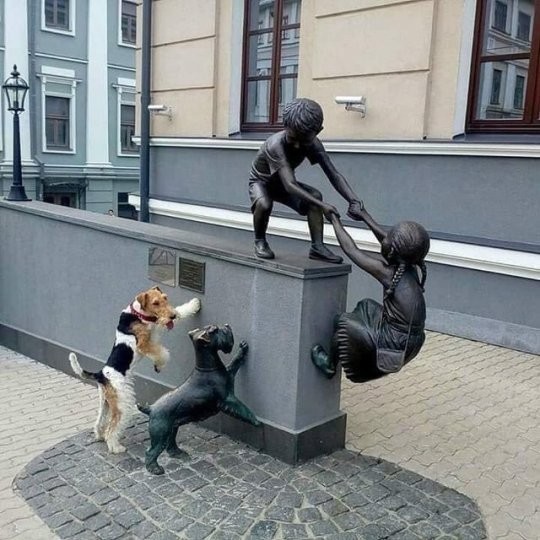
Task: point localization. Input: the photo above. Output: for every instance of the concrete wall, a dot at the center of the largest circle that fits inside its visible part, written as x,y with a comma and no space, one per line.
67,275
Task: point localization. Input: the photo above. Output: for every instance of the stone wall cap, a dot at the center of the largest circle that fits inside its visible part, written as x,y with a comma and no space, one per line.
198,244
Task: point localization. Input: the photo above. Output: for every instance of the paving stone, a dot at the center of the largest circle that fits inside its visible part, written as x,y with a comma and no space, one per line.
323,528
144,530
129,519
197,531
281,513
411,514
289,530
307,515
84,511
263,530
348,521
69,530
111,532
97,522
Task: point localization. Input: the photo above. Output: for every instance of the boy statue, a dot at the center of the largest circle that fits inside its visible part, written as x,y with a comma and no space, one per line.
272,179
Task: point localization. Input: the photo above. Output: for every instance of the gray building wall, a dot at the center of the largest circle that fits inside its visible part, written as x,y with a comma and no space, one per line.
97,189
485,201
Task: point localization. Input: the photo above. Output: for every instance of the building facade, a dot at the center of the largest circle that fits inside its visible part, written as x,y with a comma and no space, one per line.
78,58
450,136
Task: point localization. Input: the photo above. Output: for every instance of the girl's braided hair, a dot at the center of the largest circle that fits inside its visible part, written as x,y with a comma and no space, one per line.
409,246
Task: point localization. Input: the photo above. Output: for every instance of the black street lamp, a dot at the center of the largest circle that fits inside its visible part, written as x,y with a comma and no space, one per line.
16,88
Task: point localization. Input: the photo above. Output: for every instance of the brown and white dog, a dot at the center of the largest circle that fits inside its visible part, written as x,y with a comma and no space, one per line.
138,334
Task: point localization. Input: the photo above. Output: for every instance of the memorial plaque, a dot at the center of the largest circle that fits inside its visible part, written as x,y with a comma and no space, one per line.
191,274
162,266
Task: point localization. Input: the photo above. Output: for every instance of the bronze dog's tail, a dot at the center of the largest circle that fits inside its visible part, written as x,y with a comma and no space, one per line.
82,373
145,409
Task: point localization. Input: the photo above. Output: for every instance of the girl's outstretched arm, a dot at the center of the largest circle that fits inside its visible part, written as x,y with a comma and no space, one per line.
377,230
373,266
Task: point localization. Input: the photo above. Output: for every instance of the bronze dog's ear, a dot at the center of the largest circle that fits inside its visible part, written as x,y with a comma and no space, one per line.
142,299
199,335
156,288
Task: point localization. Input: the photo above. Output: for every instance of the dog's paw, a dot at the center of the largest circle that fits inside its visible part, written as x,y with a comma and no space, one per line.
117,449
157,369
244,347
155,468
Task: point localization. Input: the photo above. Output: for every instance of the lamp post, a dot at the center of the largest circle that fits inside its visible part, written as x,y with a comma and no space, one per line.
16,88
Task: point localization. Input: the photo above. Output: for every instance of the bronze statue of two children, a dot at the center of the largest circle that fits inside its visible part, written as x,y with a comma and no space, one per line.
374,339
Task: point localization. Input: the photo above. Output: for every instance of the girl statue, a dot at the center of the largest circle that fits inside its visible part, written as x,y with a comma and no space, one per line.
375,340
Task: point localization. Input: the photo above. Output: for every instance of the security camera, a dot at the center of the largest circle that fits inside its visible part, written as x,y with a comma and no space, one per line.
164,110
353,103
351,100
156,108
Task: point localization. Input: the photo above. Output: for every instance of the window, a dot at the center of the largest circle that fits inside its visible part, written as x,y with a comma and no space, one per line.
127,128
504,91
499,17
126,117
524,26
128,22
271,47
57,14
57,130
519,92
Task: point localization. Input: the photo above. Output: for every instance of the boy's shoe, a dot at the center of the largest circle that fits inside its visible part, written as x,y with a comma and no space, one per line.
262,250
322,253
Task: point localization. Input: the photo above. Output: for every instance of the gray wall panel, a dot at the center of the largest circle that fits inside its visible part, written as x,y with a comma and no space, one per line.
492,198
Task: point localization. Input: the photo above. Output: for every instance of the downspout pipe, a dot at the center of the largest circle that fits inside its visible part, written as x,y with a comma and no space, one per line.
146,79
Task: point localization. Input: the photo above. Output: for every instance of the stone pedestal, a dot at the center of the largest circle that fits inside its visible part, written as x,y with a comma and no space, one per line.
282,308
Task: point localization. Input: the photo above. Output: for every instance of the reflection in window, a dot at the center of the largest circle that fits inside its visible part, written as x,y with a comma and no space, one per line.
505,65
496,87
500,15
519,92
524,26
271,67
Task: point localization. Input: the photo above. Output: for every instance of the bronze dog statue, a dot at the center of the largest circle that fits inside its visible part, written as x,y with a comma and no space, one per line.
208,390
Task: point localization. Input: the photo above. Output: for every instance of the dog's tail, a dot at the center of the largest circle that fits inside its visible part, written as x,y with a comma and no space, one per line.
76,367
145,409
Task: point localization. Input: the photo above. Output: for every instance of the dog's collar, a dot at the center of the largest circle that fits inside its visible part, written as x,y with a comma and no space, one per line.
141,316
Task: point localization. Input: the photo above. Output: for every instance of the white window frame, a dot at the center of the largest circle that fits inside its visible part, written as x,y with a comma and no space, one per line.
72,19
120,42
126,86
67,78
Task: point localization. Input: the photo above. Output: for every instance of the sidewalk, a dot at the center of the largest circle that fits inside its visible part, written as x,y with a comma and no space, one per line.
463,414
466,415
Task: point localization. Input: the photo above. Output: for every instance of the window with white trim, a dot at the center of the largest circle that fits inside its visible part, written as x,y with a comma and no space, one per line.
126,121
58,106
128,22
58,15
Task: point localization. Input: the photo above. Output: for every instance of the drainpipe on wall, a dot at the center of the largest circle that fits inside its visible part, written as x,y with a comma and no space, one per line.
33,99
146,74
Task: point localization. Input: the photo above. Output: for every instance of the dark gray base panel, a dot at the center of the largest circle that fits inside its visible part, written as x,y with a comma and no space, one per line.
284,445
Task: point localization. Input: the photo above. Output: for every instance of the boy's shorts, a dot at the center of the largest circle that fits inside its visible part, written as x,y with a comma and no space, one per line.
275,191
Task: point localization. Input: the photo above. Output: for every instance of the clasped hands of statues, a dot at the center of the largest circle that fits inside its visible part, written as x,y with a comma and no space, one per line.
355,211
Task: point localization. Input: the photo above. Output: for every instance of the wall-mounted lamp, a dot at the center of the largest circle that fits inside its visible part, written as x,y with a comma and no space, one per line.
161,110
353,103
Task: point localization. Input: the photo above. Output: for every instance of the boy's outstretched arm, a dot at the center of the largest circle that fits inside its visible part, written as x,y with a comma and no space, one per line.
373,266
337,179
286,175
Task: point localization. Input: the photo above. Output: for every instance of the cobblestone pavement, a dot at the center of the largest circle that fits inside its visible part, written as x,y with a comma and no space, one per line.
40,407
464,414
225,490
472,424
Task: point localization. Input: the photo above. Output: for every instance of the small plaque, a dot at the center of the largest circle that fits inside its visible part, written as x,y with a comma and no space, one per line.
162,266
191,274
